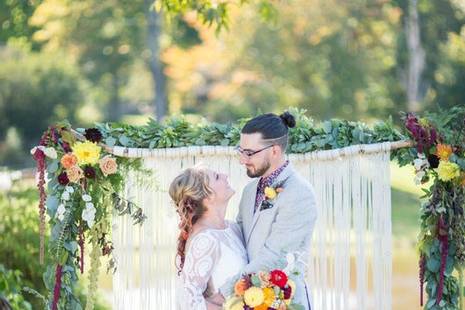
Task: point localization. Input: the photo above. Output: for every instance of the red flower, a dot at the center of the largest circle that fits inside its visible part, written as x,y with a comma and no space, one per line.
279,278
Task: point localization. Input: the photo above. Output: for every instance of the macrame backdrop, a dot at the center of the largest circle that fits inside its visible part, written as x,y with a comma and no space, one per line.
350,262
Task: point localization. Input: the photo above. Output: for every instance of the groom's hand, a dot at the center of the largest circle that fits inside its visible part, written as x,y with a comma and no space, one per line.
217,299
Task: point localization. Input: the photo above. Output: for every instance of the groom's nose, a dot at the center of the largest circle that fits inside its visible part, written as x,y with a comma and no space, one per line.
243,160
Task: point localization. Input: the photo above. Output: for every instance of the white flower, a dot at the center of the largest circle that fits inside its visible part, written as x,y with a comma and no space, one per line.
421,162
61,212
50,152
69,189
418,177
86,198
88,215
65,196
90,205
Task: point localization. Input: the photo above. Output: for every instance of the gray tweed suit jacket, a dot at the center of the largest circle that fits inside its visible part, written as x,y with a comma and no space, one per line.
272,233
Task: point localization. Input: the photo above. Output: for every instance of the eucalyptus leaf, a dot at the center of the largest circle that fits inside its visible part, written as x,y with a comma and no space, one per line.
53,166
110,141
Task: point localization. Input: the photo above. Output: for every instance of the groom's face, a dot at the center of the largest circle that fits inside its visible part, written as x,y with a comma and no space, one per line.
258,163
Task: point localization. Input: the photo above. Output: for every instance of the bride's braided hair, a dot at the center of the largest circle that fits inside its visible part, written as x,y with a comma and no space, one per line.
188,190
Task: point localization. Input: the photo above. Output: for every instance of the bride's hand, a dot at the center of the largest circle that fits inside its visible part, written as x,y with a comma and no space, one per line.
213,306
216,299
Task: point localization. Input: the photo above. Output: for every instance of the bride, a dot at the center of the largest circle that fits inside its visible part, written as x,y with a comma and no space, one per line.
210,249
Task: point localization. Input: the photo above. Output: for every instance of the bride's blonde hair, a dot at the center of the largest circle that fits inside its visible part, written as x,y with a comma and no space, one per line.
187,191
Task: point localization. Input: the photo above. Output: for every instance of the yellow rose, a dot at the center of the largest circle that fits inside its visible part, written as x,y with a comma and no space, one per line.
74,174
108,165
86,152
448,171
253,297
234,303
270,192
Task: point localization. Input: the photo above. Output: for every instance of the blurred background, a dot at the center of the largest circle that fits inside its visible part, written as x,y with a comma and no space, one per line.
93,61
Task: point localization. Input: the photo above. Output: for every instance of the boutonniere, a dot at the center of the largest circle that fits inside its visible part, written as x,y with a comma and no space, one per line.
271,193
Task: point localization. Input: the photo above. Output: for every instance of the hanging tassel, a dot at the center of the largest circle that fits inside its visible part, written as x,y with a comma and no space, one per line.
422,277
81,246
39,157
56,291
461,288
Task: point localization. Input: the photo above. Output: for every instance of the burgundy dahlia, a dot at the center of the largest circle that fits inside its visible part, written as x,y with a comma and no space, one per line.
433,161
93,134
63,178
89,172
287,292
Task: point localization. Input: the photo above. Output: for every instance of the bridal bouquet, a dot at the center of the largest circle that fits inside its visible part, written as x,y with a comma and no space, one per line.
263,291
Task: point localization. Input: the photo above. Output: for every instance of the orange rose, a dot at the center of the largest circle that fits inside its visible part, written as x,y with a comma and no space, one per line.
68,160
74,174
108,165
261,307
444,151
240,287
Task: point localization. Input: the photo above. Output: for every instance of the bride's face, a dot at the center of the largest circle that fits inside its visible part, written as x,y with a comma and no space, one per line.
219,184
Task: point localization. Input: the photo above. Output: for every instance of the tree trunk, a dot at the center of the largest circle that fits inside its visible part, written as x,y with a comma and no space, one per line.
416,54
156,67
114,106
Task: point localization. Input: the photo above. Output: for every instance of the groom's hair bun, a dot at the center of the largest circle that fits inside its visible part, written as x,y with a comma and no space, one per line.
288,119
273,127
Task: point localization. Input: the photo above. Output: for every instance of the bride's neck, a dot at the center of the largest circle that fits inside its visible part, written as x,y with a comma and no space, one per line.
214,217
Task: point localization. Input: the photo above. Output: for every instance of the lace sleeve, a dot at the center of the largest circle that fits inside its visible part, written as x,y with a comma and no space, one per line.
201,257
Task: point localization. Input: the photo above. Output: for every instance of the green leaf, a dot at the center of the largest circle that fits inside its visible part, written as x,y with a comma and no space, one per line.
123,140
431,303
71,246
110,141
256,281
52,205
53,166
433,264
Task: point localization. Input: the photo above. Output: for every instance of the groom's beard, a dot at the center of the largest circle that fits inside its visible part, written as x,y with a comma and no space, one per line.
259,171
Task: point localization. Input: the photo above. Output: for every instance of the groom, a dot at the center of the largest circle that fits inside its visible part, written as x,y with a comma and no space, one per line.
273,226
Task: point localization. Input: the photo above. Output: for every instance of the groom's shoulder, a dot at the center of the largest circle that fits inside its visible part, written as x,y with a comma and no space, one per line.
251,184
299,182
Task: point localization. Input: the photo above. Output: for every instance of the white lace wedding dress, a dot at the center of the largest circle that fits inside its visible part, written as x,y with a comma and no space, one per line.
212,256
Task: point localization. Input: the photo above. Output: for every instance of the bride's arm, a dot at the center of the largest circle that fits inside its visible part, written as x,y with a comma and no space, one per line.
198,265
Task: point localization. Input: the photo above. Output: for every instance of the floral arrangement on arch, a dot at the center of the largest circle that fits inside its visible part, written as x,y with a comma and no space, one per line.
438,157
79,184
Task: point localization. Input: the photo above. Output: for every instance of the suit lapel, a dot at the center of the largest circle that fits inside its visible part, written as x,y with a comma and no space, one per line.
281,177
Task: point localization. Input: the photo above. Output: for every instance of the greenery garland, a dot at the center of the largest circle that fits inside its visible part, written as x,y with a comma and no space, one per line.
307,136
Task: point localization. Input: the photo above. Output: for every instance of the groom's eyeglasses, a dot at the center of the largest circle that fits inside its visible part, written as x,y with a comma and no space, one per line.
250,153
